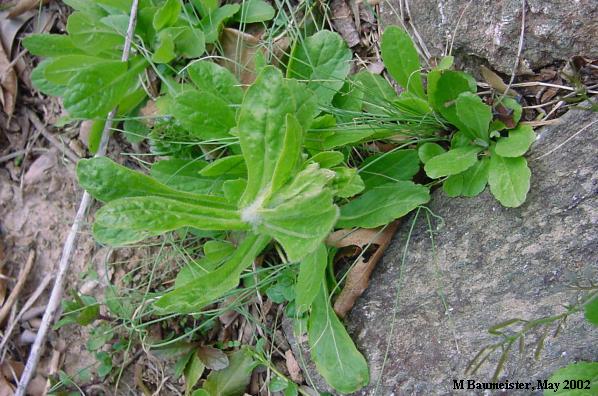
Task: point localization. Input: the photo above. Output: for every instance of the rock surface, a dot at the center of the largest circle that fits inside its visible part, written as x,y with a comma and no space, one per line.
554,30
488,264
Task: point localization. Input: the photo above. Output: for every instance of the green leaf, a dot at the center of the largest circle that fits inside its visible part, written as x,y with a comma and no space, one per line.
444,91
519,141
582,371
300,215
262,114
278,384
509,179
347,182
204,114
253,11
193,296
41,83
290,155
50,45
401,59
190,42
233,165
389,167
446,62
591,311
312,271
377,92
452,162
328,159
474,115
233,380
99,336
332,350
410,104
349,98
469,183
193,371
151,216
211,24
383,204
427,151
211,77
107,181
184,175
95,91
61,69
167,15
323,60
92,36
135,131
165,50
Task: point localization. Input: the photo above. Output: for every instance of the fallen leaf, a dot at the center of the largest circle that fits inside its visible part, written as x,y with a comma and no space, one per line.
213,358
23,6
240,49
358,276
8,83
293,367
496,82
38,168
342,19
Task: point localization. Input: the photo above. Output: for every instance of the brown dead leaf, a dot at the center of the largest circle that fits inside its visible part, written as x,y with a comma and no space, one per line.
342,19
293,367
40,166
358,276
213,358
496,82
6,388
23,6
8,83
359,237
240,49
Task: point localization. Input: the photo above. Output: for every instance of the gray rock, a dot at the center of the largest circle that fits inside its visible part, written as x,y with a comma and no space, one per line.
489,30
488,264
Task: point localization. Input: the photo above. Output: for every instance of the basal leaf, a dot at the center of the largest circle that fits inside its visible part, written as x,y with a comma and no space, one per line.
167,15
328,159
193,296
231,165
232,380
156,216
107,181
389,167
383,204
290,155
184,175
260,127
211,23
519,141
209,76
61,69
323,60
165,48
581,372
41,83
347,182
378,94
410,104
474,115
92,36
591,311
427,151
300,215
401,59
311,275
50,45
349,98
193,372
452,162
190,42
253,11
332,350
216,253
469,183
509,179
446,88
204,114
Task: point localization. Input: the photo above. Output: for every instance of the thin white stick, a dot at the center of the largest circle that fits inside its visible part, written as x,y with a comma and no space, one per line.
55,297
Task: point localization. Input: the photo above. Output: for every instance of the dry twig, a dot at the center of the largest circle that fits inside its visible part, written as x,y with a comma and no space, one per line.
12,298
